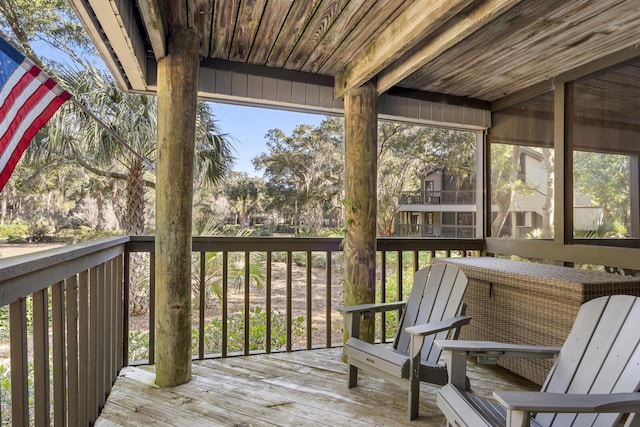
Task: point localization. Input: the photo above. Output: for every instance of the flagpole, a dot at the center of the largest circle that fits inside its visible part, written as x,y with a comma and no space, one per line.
148,165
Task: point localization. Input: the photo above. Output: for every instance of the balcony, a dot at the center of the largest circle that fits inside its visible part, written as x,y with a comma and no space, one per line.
71,334
460,197
428,230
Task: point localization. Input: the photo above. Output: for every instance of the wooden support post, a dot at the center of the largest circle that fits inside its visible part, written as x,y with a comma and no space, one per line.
361,130
177,100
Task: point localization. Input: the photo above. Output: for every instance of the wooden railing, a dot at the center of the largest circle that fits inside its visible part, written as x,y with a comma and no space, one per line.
440,231
442,197
77,295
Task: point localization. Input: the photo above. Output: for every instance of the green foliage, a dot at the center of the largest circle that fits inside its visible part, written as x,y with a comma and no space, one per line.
138,345
257,331
5,392
604,227
604,178
139,340
13,230
5,395
304,173
4,322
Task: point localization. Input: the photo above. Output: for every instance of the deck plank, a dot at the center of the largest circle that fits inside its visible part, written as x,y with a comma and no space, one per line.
306,388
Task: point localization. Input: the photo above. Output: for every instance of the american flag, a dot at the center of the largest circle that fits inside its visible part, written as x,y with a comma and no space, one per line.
28,99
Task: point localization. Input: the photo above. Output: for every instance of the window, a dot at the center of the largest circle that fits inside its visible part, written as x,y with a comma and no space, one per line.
522,169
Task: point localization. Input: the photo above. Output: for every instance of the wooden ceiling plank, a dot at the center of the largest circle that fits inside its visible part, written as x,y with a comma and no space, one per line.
321,24
249,16
275,13
533,42
442,70
352,14
225,12
476,19
300,14
367,29
200,14
408,29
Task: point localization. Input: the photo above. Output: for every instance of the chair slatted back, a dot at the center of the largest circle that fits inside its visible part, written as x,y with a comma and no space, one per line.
600,355
436,295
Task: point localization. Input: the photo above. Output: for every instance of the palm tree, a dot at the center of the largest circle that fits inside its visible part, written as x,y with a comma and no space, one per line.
77,137
242,189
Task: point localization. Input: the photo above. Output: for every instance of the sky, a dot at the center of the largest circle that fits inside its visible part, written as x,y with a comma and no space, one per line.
249,125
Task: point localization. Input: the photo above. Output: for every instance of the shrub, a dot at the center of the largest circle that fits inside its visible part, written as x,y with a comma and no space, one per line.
139,340
9,231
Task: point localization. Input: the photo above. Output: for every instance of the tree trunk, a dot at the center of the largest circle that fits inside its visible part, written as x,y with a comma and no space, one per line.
135,199
547,209
100,221
177,100
360,106
504,200
3,208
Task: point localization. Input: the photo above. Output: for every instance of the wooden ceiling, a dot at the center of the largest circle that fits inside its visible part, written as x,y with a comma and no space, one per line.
482,50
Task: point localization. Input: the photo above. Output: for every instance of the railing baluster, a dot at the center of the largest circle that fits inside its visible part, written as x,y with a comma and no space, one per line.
119,336
59,374
309,296
108,324
41,381
19,364
247,283
126,288
288,314
268,325
100,349
328,301
108,332
83,349
94,405
152,309
399,277
225,301
383,295
72,350
202,300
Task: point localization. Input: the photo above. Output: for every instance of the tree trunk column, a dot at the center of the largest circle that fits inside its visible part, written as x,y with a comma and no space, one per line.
177,100
361,131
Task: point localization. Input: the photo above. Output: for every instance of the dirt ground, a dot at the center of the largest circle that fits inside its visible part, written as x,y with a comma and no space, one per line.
257,298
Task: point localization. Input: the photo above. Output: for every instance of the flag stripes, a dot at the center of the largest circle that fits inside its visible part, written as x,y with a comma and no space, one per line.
28,99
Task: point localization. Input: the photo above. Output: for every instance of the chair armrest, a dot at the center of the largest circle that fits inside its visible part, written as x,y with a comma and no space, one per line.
373,308
435,327
531,401
489,351
353,313
456,353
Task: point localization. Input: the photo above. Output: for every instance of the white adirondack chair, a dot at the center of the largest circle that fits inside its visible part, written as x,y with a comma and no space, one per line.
593,382
433,309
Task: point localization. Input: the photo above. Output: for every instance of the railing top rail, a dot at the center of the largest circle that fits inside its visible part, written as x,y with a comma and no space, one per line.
239,244
25,274
315,244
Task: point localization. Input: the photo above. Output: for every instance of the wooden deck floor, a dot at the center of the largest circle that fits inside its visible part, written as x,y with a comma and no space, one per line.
306,388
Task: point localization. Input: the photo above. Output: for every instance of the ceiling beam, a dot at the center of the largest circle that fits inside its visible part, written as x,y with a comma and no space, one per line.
155,27
458,31
414,24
